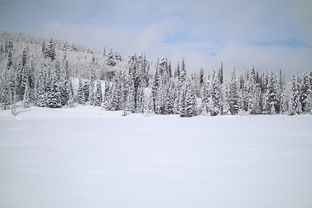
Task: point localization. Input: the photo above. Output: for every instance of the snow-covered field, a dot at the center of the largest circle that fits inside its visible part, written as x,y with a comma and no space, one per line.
85,157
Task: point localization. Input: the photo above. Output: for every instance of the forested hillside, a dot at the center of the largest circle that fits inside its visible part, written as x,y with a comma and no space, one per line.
41,72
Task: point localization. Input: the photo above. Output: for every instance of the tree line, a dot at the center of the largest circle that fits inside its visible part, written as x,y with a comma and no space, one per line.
138,89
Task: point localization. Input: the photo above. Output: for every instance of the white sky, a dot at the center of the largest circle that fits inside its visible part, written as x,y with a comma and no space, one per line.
268,34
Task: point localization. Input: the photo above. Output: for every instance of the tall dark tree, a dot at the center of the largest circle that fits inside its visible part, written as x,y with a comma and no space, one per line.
50,50
80,93
98,94
234,102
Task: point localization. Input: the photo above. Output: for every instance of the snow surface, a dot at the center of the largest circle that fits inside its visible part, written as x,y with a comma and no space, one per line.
85,157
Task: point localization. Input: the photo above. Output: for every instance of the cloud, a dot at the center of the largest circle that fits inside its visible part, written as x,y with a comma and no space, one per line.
269,34
147,39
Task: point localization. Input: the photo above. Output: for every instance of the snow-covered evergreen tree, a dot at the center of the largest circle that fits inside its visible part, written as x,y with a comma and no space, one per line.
27,96
182,74
54,99
50,50
215,108
106,97
80,93
98,94
305,94
296,94
7,83
116,104
234,99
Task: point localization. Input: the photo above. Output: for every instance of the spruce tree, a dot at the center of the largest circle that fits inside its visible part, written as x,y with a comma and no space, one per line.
50,50
182,74
27,96
54,94
116,104
106,97
98,94
80,93
305,94
215,108
7,84
65,84
295,104
182,107
190,102
40,88
234,98
86,90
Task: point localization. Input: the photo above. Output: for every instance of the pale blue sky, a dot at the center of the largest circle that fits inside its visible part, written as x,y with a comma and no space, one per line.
267,34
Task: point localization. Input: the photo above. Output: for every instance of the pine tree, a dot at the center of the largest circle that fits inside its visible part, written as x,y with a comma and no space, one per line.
26,77
40,87
220,74
201,77
305,94
50,50
43,49
215,96
98,94
27,96
7,83
92,93
116,104
182,107
19,78
106,97
80,93
182,77
86,90
140,100
234,99
54,94
111,59
190,102
272,104
155,88
169,99
205,99
295,104
177,72
65,84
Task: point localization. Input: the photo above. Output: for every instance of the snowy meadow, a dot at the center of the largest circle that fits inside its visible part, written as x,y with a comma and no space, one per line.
81,128
88,157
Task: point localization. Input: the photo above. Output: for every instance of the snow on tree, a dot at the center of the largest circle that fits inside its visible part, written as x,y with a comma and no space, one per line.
305,94
116,104
65,84
54,94
234,99
112,58
295,104
50,50
106,96
80,93
272,100
215,108
98,94
220,74
86,90
40,87
7,82
182,74
27,96
32,73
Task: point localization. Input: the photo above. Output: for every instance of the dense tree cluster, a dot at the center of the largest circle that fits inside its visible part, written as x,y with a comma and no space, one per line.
142,87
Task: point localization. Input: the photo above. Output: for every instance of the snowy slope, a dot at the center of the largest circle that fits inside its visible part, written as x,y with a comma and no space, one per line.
79,57
85,157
